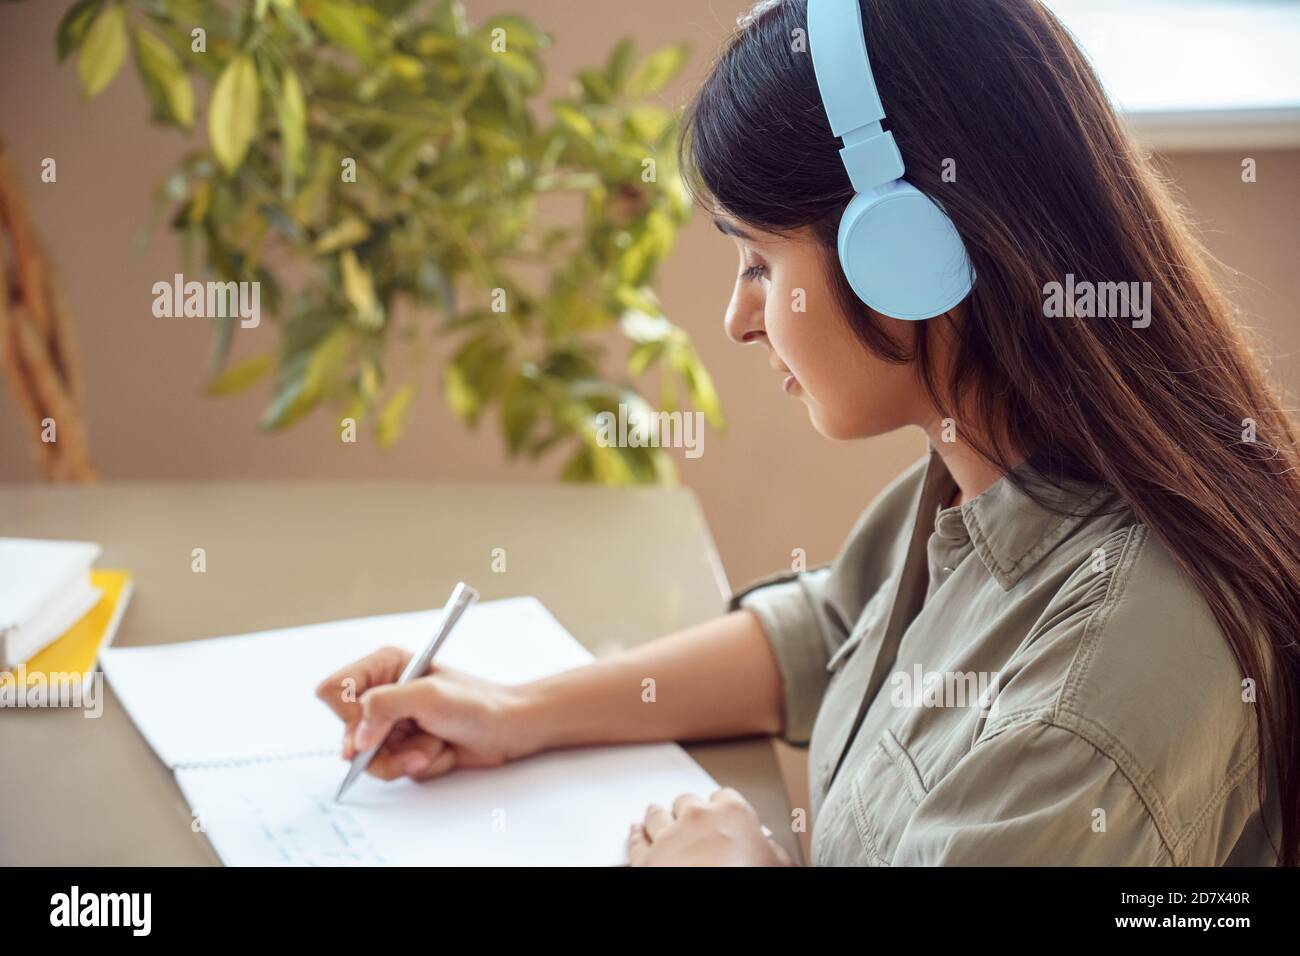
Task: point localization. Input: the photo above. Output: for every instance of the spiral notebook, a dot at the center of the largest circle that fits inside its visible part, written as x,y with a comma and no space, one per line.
257,755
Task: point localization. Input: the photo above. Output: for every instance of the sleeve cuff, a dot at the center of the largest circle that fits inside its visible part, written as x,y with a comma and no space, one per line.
786,609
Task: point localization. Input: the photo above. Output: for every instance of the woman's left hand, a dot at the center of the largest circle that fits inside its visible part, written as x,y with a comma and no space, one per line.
724,831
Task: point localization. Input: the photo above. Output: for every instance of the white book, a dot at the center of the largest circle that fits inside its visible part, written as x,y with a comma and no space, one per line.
44,589
257,755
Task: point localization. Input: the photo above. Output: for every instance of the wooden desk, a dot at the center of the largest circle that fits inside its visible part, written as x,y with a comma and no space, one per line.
616,567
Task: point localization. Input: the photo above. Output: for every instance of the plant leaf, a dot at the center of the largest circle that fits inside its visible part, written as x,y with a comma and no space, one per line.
643,355
643,327
344,24
575,121
292,401
619,64
278,218
460,396
594,86
73,26
521,409
232,115
291,108
359,288
579,467
304,380
647,123
699,385
167,83
392,419
102,51
657,70
347,233
241,375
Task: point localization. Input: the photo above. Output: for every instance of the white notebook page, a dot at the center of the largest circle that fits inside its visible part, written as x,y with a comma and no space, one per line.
236,698
256,754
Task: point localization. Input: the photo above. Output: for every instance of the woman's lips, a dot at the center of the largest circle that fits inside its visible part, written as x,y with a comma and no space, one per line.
790,383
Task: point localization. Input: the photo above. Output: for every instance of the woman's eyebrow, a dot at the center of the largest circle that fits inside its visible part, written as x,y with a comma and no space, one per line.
728,229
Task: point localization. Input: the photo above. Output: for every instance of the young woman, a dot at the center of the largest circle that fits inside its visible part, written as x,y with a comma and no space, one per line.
1066,636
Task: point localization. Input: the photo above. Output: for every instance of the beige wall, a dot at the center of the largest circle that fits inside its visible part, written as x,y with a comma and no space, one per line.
149,420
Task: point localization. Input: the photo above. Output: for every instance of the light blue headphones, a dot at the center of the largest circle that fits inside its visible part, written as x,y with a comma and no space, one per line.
899,250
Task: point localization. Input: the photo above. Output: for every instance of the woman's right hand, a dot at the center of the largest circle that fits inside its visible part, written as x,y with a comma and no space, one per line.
443,720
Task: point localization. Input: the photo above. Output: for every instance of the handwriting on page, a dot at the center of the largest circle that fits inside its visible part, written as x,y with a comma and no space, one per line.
327,836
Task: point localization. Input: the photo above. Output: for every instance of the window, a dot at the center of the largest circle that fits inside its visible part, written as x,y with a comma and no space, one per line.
1196,74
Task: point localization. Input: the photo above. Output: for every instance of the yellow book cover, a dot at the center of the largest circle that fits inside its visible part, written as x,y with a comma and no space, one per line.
76,652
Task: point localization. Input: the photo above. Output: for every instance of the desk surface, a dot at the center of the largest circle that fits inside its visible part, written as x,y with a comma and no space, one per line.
616,566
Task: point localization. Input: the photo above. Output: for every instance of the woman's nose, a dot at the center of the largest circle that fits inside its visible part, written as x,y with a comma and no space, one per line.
744,319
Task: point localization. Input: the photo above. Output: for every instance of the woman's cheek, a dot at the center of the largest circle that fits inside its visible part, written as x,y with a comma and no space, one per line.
805,348
789,333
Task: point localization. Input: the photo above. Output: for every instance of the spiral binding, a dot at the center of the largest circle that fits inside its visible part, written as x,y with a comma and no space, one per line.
251,761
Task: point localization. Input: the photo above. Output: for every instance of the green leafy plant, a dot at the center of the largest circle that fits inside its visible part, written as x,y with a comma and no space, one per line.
378,169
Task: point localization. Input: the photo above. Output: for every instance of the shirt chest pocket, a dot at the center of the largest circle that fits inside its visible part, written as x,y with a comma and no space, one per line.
884,792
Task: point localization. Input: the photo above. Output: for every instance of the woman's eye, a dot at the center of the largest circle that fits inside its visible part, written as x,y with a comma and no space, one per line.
754,272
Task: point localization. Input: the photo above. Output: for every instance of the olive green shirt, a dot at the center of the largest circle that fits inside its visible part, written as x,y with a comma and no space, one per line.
1005,683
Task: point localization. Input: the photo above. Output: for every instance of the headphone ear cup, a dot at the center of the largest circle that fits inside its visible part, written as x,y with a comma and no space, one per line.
901,253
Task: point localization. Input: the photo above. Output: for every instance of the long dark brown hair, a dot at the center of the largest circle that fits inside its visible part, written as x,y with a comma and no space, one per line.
1047,184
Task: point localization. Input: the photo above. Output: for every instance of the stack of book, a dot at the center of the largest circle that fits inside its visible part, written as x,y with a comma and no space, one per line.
56,610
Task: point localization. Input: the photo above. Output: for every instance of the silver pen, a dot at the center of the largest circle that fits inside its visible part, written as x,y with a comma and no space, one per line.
461,598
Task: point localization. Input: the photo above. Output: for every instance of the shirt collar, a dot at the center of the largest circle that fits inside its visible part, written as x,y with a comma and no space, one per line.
1009,530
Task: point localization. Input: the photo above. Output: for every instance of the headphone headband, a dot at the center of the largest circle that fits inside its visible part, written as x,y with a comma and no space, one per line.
898,249
838,45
